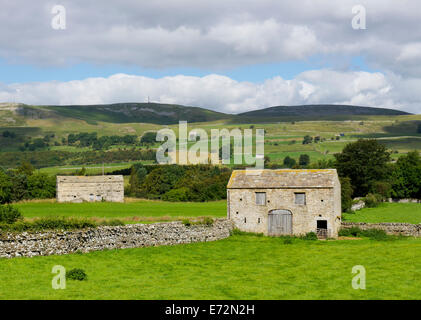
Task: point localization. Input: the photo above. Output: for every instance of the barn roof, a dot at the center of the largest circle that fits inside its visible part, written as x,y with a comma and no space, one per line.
283,178
90,179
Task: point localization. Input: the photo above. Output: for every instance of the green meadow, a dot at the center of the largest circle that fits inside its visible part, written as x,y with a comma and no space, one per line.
387,212
148,210
239,267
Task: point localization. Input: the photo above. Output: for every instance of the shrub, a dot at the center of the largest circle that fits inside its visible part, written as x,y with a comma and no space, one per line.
207,221
372,200
180,194
288,240
9,214
76,274
372,234
186,222
238,232
112,222
310,236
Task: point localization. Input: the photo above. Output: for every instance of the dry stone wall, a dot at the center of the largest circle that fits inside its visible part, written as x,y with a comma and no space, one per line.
106,237
405,229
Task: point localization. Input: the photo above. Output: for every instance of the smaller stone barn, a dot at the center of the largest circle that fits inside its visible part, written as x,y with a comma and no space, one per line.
285,201
90,188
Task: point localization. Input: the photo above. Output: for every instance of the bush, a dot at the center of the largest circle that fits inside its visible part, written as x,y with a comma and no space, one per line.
238,232
174,195
9,214
208,221
76,274
186,222
112,222
372,200
372,234
310,236
288,240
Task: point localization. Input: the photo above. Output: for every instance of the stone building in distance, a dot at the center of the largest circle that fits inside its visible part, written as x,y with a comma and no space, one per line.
90,188
285,201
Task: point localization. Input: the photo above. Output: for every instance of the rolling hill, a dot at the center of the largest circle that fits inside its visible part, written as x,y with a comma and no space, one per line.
165,114
319,111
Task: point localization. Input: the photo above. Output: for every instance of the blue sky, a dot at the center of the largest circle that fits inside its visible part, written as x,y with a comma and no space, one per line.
26,72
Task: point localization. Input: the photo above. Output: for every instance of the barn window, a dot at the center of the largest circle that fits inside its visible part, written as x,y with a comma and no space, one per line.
258,220
300,198
245,220
261,198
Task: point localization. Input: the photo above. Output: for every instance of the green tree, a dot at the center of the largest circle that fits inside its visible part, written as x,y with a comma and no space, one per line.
406,176
346,194
41,186
307,139
289,162
364,162
304,160
5,188
25,168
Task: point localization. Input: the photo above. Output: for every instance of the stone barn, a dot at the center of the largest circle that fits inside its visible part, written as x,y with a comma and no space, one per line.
285,201
90,188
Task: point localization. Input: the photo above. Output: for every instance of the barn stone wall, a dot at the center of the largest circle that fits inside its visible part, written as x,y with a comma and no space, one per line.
118,237
90,188
321,204
405,229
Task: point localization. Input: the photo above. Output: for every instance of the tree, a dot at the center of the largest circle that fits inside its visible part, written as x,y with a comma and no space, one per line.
304,160
364,162
289,162
346,194
406,176
25,168
137,176
307,139
419,128
5,187
41,186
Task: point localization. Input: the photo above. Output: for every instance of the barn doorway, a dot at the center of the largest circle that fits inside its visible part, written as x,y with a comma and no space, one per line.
279,222
322,229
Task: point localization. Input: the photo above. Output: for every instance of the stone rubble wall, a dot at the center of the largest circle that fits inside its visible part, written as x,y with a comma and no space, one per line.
29,244
405,229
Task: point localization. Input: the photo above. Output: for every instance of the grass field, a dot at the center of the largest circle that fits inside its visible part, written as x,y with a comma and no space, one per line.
240,267
142,210
387,212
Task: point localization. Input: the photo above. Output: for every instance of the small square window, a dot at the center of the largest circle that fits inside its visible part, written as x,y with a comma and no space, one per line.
261,198
300,198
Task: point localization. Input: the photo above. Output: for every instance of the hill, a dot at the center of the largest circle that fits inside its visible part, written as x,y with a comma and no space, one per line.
166,114
319,111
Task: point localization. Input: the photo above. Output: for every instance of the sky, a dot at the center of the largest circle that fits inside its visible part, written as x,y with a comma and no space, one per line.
226,55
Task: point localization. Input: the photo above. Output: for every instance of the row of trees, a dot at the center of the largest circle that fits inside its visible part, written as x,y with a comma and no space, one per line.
365,167
85,139
50,158
179,183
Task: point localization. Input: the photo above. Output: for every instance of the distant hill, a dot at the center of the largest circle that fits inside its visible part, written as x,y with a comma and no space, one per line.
136,112
320,110
157,113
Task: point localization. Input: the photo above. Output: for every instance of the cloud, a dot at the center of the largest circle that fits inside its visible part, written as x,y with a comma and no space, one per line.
211,35
224,94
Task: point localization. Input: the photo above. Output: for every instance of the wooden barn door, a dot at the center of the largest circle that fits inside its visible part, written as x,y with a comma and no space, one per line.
279,222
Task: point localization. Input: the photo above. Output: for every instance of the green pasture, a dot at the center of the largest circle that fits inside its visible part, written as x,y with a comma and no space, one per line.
239,267
387,212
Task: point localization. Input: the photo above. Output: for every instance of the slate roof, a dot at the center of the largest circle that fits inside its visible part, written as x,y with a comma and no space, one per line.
283,178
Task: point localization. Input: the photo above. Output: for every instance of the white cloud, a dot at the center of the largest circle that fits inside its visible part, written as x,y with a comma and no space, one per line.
211,34
224,94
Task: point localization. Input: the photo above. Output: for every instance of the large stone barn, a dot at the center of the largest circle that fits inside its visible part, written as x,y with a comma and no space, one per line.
90,188
285,202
